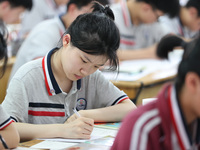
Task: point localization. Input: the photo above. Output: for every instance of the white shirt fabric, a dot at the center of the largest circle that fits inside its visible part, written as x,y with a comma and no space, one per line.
44,37
33,95
5,119
135,37
173,25
41,10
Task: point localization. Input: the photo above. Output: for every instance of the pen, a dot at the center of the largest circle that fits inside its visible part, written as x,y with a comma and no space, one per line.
76,112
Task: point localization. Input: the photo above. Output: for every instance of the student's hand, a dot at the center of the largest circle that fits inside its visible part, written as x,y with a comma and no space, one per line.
80,128
74,116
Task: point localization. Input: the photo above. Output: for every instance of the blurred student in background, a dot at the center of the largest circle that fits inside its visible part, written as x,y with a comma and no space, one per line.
172,121
10,10
187,23
138,30
42,10
42,39
9,137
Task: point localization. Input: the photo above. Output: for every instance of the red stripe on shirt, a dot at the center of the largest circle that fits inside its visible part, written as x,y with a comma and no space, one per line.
46,113
122,100
173,120
45,77
127,42
6,125
124,13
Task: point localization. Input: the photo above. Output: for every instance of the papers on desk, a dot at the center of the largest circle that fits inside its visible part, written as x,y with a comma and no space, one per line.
135,69
59,143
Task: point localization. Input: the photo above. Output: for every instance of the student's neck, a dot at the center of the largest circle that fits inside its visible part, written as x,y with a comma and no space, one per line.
132,7
186,106
64,83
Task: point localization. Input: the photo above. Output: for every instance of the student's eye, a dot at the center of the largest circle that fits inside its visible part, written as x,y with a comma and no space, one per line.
83,61
96,67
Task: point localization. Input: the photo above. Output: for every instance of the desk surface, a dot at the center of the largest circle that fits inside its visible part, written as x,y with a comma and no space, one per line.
129,87
5,78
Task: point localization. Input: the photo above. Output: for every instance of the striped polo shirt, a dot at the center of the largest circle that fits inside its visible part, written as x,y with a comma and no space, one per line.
5,119
34,96
132,36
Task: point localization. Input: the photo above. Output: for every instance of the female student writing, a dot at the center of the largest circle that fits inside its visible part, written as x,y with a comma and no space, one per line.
42,94
172,121
9,137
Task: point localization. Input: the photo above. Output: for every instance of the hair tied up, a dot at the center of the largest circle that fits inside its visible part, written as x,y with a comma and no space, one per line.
109,12
97,7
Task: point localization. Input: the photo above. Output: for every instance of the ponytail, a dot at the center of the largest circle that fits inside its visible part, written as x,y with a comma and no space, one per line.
97,7
167,44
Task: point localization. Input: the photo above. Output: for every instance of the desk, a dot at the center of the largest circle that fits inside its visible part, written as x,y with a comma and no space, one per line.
150,88
147,86
4,80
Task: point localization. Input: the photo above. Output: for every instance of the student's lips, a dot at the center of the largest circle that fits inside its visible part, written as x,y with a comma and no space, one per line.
78,77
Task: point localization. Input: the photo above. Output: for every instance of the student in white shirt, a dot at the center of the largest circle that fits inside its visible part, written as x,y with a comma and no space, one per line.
138,30
187,23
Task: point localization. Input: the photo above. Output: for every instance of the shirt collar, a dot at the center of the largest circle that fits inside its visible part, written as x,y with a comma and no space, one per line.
179,120
50,81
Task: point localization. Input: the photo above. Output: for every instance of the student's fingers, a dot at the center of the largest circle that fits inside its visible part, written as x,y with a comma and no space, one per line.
71,118
80,128
88,121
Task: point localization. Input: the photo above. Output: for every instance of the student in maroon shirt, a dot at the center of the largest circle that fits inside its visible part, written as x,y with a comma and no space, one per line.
172,121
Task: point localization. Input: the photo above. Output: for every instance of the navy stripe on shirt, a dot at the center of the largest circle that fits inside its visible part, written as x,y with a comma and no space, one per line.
46,105
121,97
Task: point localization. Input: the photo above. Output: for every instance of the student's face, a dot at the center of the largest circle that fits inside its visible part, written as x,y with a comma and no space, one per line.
150,14
193,20
11,15
195,24
61,2
78,64
74,11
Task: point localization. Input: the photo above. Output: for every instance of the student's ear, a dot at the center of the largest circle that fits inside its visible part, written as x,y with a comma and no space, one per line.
192,81
146,7
5,5
71,8
66,39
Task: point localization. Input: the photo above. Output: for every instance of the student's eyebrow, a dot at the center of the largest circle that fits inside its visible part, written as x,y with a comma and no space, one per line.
92,62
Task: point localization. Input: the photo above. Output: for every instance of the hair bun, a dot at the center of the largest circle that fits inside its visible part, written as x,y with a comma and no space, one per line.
97,7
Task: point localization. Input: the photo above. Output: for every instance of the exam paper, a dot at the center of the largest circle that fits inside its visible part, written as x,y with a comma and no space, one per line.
133,70
96,133
52,145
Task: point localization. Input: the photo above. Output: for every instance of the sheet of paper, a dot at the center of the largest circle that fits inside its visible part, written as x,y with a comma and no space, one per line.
52,145
133,70
97,133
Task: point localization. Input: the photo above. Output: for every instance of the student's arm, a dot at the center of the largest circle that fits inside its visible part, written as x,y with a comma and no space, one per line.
113,113
149,52
79,128
10,136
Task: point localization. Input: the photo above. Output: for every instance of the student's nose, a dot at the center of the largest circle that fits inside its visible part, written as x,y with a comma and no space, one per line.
86,71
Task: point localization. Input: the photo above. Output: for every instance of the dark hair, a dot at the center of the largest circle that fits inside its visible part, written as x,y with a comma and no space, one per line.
3,47
96,33
24,3
170,7
194,3
190,60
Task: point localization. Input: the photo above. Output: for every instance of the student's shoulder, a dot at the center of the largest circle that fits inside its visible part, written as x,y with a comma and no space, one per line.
29,68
